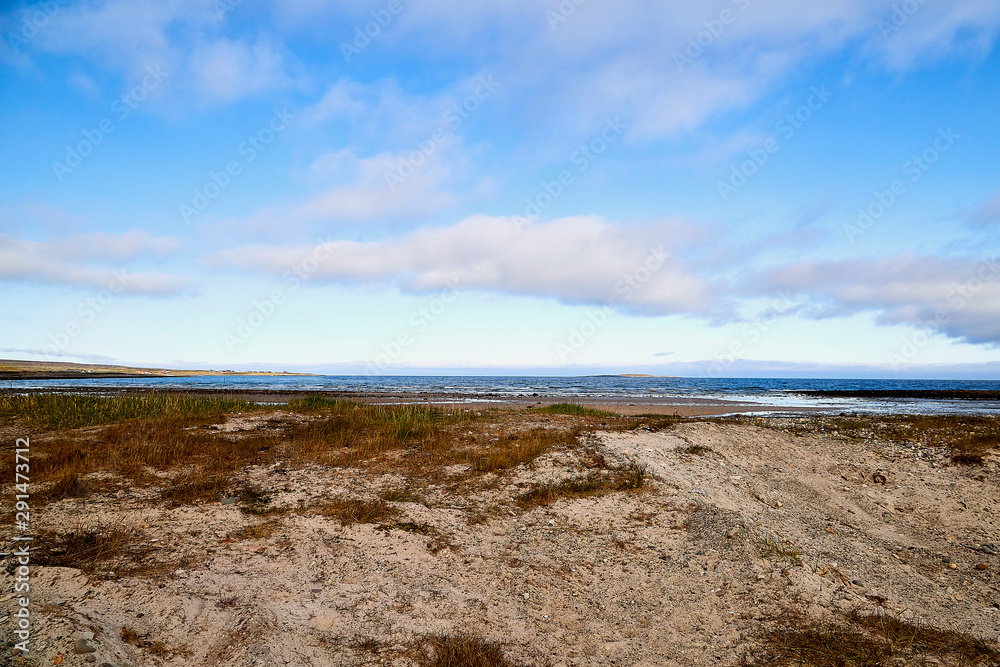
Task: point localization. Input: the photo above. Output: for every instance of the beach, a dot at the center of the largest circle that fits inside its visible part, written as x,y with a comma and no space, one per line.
626,540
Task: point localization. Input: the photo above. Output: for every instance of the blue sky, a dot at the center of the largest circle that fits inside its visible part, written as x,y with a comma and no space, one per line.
734,187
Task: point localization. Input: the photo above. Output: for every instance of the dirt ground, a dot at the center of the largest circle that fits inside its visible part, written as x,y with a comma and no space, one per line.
738,524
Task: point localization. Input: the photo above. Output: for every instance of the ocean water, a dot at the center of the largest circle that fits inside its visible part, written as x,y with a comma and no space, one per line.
764,391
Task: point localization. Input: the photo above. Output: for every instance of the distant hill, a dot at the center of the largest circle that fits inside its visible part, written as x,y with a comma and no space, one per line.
13,369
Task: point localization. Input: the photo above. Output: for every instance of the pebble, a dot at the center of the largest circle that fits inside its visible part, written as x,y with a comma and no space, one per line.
734,532
952,566
83,646
989,549
982,566
87,635
91,658
700,492
527,596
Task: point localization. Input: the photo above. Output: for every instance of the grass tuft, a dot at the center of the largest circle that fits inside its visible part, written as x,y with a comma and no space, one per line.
355,510
868,641
462,651
629,478
574,410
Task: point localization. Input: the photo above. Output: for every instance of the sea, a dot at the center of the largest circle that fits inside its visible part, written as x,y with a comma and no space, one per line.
769,393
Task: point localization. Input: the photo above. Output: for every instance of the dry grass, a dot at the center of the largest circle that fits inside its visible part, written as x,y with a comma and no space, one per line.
355,510
628,478
462,651
157,648
575,410
202,462
255,531
102,548
771,547
66,411
401,495
868,641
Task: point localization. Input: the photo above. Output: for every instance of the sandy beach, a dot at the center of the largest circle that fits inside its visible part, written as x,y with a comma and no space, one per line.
735,527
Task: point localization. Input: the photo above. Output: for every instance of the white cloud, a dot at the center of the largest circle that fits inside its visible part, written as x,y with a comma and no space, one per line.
580,260
958,297
81,262
225,70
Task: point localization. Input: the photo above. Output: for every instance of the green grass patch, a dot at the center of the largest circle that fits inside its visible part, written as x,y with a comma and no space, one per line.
54,412
574,410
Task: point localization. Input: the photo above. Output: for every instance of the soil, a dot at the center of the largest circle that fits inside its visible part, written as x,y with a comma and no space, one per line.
737,524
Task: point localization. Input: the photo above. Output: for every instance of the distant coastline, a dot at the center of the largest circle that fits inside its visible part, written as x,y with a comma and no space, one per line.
13,369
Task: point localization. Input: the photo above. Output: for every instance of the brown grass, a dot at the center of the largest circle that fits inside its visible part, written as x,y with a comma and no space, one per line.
157,648
628,478
255,531
355,510
103,548
462,651
867,641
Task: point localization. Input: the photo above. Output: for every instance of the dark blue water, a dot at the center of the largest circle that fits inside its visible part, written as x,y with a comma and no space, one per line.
765,392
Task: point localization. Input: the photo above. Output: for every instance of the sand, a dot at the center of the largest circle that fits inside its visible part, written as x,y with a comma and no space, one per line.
762,522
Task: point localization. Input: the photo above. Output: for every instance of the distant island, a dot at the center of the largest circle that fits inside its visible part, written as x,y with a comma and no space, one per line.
634,375
12,369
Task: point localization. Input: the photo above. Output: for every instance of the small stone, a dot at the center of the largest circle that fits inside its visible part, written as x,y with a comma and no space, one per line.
83,646
959,598
952,566
982,566
527,596
91,658
734,532
87,635
989,549
858,582
949,590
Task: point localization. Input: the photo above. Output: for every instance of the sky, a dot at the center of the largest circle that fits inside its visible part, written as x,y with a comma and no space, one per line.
720,188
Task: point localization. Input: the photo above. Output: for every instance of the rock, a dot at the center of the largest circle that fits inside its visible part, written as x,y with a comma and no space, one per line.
734,532
952,566
87,635
982,566
84,646
527,596
990,549
858,582
700,492
229,501
91,658
949,590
